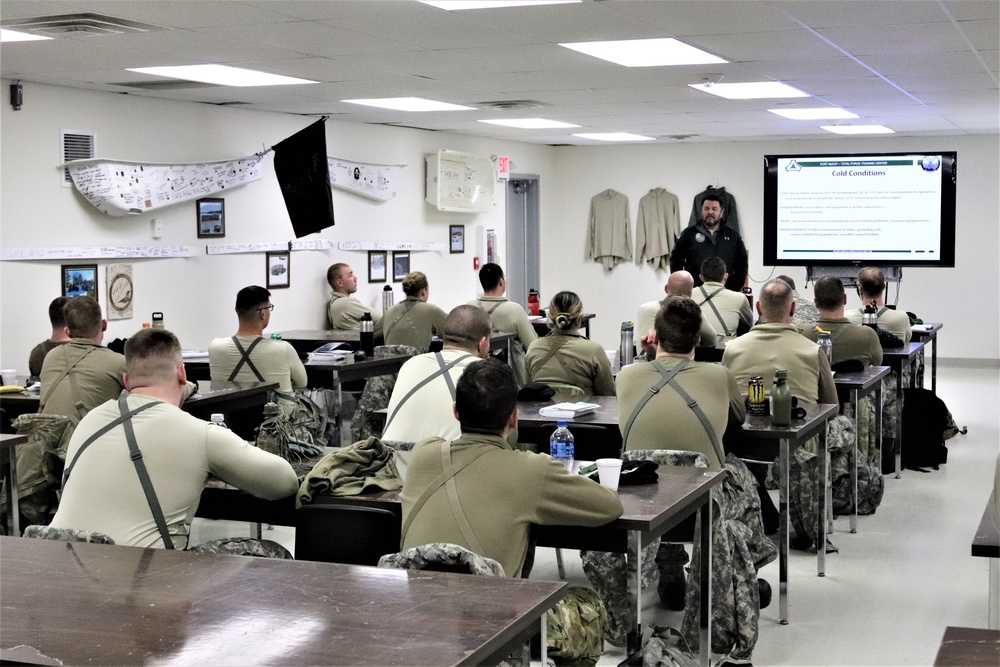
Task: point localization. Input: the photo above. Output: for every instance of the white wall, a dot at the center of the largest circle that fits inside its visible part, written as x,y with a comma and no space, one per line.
197,294
964,298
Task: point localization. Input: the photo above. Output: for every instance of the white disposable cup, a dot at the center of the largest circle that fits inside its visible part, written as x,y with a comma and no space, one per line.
608,471
611,356
9,376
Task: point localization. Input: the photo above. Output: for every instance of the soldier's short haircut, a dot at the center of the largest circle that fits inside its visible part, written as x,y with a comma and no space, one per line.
775,299
151,354
678,325
490,275
713,269
83,317
333,273
249,299
465,326
871,280
486,397
56,317
829,293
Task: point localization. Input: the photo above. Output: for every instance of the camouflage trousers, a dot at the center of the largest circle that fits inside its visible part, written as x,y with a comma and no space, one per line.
740,548
243,546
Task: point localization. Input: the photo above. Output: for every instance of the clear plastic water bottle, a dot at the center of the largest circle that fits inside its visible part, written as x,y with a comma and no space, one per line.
561,445
825,342
218,419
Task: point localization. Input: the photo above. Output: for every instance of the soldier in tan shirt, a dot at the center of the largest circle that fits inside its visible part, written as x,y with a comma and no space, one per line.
343,310
413,321
505,316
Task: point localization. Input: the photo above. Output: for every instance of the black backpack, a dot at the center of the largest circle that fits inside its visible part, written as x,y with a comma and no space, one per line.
925,418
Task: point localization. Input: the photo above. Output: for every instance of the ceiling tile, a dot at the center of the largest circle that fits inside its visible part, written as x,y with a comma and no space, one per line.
902,39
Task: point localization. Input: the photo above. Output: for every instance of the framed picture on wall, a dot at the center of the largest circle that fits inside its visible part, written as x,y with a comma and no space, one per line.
79,280
400,265
456,238
211,217
279,269
377,269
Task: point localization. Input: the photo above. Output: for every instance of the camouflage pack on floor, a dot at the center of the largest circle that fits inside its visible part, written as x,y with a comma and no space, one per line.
442,557
40,464
666,648
378,391
575,627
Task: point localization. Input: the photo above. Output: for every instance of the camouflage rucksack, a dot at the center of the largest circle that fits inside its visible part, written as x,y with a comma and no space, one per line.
40,464
576,627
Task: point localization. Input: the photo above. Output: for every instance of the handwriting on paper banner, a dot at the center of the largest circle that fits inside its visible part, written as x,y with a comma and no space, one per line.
99,252
375,181
122,188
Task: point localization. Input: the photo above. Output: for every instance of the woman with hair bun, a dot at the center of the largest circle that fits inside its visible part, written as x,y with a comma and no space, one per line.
564,359
413,321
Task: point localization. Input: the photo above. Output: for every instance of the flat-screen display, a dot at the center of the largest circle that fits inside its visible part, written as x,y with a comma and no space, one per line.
860,209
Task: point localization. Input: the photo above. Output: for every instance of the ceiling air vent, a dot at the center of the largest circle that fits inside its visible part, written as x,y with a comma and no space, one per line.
679,137
510,105
75,146
165,85
87,24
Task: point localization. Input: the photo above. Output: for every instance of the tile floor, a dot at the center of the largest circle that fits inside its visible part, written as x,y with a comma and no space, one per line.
895,585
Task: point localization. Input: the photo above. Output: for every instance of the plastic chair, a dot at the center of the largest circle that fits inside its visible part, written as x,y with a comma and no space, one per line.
66,534
349,534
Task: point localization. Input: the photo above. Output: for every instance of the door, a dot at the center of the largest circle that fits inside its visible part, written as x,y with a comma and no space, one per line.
523,256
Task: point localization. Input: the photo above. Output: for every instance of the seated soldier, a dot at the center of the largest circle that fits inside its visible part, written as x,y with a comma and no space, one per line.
343,310
498,492
566,360
82,374
871,288
148,499
248,356
413,321
680,283
505,317
850,341
422,399
727,311
58,337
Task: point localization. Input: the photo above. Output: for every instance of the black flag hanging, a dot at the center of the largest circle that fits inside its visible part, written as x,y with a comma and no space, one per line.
304,176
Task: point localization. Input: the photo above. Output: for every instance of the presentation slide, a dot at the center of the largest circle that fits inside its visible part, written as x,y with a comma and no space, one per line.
878,208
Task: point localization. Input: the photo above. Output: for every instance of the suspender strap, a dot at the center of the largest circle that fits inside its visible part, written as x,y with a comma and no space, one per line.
52,387
443,370
245,359
555,348
147,483
101,431
655,389
702,417
450,472
837,334
489,311
407,307
718,316
456,504
880,311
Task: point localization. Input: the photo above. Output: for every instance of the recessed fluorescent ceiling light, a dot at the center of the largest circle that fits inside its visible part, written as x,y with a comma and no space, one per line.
645,52
614,136
456,5
749,91
17,36
827,113
529,123
857,129
221,75
409,104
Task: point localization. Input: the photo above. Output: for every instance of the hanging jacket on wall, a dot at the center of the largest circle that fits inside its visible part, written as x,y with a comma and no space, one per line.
657,225
609,234
729,214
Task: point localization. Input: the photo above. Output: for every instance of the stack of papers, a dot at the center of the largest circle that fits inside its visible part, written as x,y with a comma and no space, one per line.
194,355
331,353
568,410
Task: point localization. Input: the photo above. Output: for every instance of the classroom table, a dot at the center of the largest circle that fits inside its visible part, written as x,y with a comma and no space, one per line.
986,544
540,323
79,603
851,387
8,463
896,358
597,435
307,340
650,511
788,438
968,647
928,332
241,402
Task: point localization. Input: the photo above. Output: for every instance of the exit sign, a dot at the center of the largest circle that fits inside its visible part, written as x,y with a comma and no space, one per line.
503,168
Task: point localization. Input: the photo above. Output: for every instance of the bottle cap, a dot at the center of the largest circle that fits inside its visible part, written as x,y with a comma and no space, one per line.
276,336
561,423
217,417
145,325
